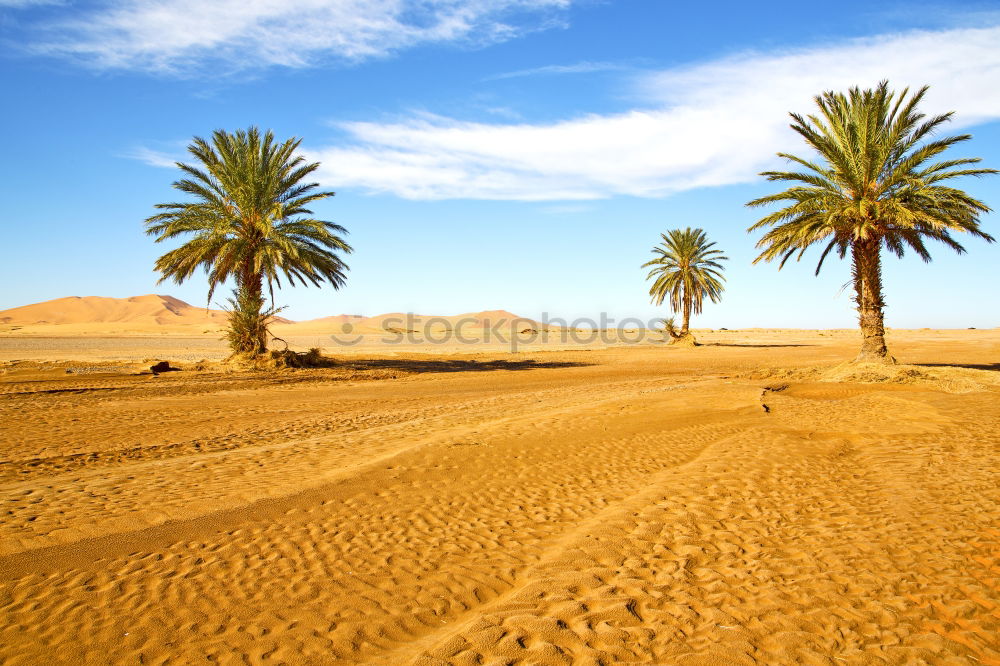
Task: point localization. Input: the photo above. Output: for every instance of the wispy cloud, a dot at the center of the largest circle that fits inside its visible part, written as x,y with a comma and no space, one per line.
21,4
156,158
713,123
548,70
566,209
503,112
185,36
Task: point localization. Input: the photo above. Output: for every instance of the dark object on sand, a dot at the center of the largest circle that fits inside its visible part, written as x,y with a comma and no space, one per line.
162,366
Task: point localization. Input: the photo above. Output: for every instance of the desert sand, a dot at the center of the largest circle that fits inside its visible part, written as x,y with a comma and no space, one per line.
748,501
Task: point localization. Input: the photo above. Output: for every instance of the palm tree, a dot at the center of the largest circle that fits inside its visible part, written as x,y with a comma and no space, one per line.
249,221
873,185
687,270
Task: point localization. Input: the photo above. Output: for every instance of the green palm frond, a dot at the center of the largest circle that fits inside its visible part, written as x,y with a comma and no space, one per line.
248,217
873,176
686,266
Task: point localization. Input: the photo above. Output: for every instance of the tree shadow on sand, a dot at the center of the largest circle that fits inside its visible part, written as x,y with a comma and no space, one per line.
420,365
756,346
994,367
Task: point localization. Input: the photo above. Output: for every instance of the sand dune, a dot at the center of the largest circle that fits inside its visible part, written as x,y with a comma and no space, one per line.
151,309
632,505
157,314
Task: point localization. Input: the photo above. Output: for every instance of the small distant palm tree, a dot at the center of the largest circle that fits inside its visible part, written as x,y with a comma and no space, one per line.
872,186
249,221
687,270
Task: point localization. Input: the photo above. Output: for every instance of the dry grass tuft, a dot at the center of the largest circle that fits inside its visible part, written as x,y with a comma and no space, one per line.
684,341
281,359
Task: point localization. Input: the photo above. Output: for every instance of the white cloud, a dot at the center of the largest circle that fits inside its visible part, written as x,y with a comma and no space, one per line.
713,123
154,158
181,36
577,68
503,112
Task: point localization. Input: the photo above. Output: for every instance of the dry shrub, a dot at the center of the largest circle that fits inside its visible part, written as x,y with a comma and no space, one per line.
280,359
249,320
684,341
677,338
286,358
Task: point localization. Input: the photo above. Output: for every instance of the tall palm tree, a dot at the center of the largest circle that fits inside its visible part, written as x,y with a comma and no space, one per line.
873,185
686,269
249,220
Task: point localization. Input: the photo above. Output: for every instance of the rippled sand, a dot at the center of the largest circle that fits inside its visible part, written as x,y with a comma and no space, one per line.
744,502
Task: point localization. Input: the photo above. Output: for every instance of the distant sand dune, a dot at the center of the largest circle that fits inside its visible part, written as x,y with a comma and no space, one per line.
154,314
151,309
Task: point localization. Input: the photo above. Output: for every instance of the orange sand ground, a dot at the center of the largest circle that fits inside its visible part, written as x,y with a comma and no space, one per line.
626,504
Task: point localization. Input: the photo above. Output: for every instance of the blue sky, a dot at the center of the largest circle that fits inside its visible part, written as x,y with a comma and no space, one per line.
486,154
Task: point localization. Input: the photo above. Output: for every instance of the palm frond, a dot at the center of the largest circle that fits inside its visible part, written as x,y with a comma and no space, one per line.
248,218
686,269
872,176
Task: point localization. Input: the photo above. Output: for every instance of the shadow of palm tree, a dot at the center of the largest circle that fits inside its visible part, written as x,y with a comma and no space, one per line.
995,367
737,344
420,365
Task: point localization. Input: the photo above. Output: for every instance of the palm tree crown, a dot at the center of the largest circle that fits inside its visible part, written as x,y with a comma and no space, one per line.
687,270
876,184
249,218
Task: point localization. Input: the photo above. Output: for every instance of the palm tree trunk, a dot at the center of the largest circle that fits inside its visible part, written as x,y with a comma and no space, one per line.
867,270
685,324
248,321
255,289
